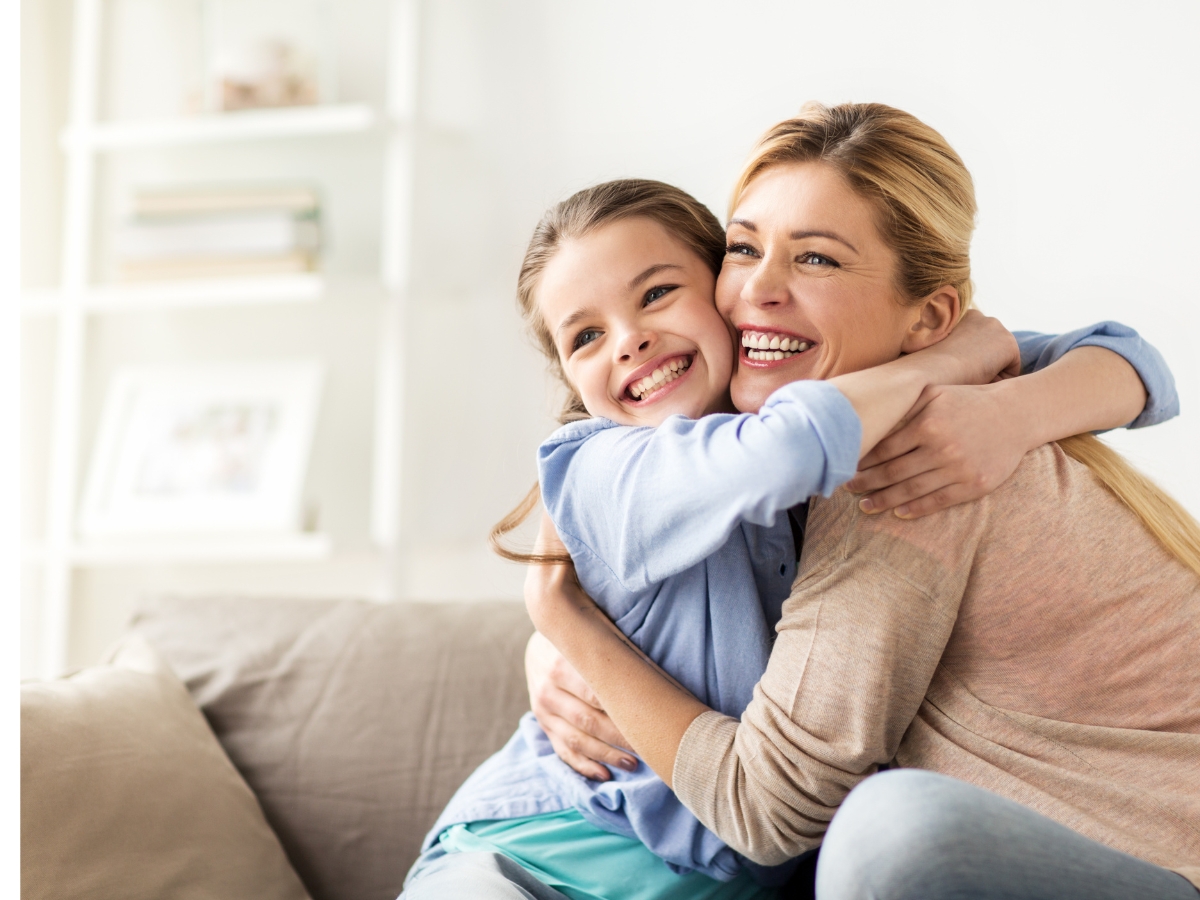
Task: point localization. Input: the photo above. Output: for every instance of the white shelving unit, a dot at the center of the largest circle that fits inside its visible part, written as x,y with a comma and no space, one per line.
76,301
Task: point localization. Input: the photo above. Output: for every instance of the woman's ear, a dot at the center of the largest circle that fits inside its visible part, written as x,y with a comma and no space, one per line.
937,315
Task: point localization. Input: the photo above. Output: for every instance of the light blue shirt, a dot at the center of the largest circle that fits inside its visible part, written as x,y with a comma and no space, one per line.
678,535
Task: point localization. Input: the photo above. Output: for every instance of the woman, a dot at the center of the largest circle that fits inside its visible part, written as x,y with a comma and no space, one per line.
991,642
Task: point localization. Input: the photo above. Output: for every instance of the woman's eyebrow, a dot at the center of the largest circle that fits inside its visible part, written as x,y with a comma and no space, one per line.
801,235
653,270
798,235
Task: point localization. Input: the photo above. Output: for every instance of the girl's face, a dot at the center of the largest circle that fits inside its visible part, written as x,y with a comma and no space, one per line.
631,312
807,272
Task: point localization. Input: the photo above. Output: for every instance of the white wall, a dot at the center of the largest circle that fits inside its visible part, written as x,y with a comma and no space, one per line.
1079,122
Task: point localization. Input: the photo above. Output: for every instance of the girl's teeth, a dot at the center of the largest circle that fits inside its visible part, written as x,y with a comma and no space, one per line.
664,374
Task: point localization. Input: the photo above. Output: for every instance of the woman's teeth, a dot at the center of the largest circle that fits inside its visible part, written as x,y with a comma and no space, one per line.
660,377
761,345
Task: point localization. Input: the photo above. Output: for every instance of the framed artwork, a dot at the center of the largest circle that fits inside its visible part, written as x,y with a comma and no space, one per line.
202,449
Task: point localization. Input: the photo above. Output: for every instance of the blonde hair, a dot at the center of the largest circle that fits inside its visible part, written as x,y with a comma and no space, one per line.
683,216
922,193
925,208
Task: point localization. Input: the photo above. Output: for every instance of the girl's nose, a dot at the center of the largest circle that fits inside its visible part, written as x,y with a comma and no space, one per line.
634,343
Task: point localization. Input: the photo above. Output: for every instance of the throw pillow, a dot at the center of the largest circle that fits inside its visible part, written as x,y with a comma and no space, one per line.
125,793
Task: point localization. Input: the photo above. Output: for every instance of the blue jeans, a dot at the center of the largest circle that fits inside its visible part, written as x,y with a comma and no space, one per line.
907,834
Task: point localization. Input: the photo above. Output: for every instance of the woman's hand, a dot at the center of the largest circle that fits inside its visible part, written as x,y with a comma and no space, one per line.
961,443
570,713
580,732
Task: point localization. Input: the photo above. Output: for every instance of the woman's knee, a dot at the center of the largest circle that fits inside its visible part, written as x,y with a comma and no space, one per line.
895,829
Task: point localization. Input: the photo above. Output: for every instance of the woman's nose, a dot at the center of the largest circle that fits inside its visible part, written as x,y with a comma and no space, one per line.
767,286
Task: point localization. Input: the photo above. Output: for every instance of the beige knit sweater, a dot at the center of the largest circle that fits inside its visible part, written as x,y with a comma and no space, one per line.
1038,643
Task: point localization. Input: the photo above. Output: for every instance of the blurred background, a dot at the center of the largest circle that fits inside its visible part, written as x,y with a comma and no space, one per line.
269,341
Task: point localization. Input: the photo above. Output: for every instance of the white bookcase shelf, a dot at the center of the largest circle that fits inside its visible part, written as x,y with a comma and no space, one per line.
299,288
99,552
250,548
308,121
77,301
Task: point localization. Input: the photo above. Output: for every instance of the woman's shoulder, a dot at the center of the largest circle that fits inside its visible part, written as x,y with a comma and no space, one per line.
1046,488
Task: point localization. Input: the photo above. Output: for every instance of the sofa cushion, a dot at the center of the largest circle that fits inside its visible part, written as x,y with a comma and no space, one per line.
125,793
352,721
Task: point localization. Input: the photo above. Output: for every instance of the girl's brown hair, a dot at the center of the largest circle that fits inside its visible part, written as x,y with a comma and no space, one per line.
683,216
925,208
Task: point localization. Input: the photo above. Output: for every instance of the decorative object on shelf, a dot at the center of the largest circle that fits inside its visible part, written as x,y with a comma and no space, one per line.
203,449
261,54
219,232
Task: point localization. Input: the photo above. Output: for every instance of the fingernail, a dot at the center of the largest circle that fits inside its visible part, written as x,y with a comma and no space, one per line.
866,504
627,764
902,511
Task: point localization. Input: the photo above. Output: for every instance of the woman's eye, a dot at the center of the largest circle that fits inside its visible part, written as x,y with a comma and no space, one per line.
657,293
584,338
736,249
817,259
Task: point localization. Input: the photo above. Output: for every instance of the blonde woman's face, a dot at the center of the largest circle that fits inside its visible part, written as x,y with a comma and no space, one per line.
631,312
808,283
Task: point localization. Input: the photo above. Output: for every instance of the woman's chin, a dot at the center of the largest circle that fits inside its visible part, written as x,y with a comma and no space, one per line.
751,386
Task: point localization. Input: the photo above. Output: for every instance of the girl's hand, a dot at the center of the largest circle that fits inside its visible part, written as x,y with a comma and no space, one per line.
978,350
960,443
580,731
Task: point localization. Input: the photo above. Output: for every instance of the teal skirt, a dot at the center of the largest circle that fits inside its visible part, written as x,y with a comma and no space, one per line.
584,862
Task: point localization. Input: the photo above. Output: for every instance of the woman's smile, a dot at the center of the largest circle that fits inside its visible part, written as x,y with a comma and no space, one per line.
768,347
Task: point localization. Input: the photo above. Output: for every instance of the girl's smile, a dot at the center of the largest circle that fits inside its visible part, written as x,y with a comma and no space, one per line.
631,312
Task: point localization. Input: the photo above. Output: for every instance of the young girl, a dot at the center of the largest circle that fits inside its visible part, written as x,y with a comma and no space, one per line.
673,509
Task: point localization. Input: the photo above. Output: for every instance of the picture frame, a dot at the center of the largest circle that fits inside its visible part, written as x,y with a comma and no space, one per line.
203,449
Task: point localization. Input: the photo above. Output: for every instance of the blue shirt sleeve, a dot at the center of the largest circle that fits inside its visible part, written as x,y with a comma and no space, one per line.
652,502
1162,402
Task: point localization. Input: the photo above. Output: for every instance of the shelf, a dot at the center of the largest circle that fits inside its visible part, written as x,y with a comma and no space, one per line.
299,288
256,124
217,549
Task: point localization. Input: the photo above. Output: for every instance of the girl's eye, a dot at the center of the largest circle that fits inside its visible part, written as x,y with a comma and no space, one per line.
736,249
817,259
657,293
584,338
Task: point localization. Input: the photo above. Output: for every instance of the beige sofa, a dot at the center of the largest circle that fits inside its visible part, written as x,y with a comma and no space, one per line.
230,747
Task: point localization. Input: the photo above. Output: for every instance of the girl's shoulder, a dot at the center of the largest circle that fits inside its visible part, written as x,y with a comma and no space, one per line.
586,429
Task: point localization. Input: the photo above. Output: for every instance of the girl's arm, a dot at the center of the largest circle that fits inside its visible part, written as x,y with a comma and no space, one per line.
963,442
650,503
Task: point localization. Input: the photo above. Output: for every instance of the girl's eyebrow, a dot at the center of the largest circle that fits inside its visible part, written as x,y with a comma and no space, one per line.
650,272
587,311
574,317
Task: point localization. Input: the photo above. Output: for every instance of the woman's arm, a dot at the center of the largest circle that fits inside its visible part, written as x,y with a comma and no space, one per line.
963,442
659,711
834,703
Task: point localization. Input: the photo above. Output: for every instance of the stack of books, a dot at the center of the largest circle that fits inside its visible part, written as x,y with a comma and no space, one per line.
219,233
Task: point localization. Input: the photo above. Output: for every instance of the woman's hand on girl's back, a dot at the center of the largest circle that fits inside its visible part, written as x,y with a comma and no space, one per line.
960,443
580,731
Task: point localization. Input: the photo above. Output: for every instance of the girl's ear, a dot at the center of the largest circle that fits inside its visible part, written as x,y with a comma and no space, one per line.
938,314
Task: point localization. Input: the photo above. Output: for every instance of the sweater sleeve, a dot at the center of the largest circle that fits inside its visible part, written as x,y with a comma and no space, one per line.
652,502
1162,401
860,639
